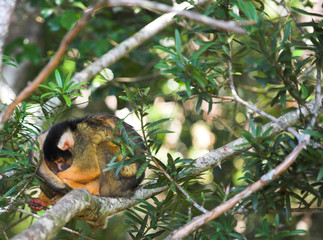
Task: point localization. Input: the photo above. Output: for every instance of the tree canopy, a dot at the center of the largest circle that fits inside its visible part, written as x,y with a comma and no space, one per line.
225,94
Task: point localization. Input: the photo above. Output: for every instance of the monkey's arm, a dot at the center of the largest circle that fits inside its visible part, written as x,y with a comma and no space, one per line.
50,178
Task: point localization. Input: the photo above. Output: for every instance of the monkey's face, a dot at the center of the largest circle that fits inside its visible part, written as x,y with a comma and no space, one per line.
59,164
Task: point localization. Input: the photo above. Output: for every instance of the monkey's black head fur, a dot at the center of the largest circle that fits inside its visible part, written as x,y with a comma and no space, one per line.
50,149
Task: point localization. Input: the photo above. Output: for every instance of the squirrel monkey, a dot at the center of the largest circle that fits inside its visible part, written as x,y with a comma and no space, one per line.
75,154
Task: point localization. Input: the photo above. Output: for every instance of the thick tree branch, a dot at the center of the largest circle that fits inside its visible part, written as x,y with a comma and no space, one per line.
81,204
27,213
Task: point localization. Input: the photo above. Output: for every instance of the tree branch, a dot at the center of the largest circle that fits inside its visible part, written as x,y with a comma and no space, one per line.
265,179
218,24
220,155
248,105
27,213
81,204
131,43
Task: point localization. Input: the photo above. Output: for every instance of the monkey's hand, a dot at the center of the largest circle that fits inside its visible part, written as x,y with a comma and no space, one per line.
129,170
37,204
92,186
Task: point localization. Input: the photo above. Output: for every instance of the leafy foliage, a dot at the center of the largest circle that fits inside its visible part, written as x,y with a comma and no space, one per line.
178,86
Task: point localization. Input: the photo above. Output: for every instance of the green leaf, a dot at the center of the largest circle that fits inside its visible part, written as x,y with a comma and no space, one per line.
170,162
198,104
249,9
304,89
68,19
276,223
287,233
9,64
136,219
58,79
67,100
306,13
199,52
158,132
73,86
67,82
253,128
172,187
11,190
258,131
178,42
288,211
115,157
45,86
150,125
255,202
142,169
320,175
156,185
46,94
164,49
265,134
287,31
313,133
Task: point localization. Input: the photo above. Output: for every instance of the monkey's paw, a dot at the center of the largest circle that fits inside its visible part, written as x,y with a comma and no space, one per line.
37,204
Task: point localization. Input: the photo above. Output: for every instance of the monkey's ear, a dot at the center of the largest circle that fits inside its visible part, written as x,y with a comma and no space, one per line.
66,142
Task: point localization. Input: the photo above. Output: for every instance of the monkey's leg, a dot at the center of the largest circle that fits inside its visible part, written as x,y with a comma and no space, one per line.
92,186
76,174
85,166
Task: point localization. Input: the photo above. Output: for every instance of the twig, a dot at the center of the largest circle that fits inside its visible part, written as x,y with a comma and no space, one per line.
318,96
14,224
179,187
293,210
223,97
52,63
13,199
188,197
5,235
252,107
219,24
283,4
265,179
